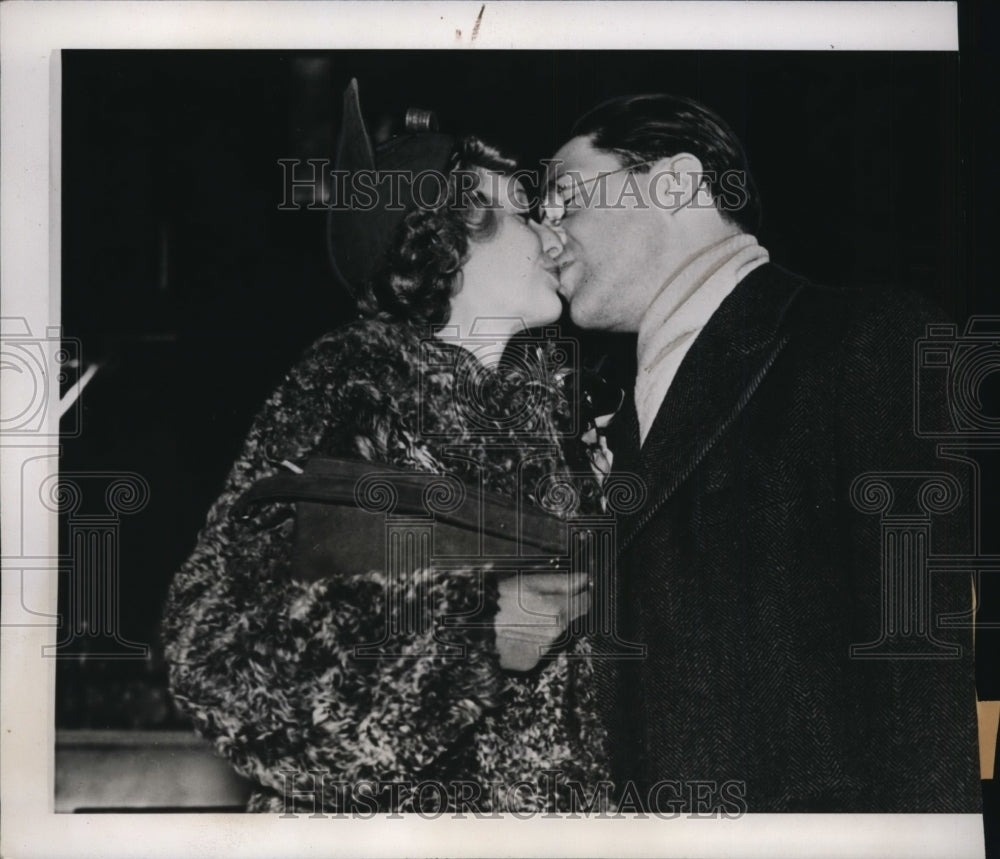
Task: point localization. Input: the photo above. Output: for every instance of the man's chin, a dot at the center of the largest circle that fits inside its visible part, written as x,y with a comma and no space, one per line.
584,316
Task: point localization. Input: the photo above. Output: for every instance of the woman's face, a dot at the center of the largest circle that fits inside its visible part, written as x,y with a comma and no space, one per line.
510,274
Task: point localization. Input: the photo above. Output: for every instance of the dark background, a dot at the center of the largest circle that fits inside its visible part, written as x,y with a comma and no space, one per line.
196,293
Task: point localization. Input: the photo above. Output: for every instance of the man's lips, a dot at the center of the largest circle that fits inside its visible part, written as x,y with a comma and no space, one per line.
564,262
561,268
552,271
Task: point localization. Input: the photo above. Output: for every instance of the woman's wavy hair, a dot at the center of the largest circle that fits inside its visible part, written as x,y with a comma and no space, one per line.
422,269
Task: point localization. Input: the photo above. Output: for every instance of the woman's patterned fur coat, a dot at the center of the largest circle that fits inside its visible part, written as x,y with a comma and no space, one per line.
263,663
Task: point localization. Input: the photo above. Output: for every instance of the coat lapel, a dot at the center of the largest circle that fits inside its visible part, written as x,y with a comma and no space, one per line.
716,379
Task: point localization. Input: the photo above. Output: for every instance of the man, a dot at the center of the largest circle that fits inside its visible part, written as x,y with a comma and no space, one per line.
753,574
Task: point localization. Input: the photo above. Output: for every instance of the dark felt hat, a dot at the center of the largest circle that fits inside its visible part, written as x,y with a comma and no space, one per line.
363,221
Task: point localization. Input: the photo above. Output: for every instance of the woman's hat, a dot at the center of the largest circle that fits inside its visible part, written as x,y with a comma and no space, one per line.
374,189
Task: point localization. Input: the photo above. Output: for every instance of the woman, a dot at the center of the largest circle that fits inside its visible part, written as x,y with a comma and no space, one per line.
263,661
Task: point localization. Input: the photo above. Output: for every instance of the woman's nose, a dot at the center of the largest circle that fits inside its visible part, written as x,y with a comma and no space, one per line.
551,241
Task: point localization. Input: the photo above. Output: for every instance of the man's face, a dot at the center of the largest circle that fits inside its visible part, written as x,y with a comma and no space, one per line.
613,238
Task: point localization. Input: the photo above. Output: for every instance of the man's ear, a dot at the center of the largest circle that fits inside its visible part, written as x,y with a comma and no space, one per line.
676,181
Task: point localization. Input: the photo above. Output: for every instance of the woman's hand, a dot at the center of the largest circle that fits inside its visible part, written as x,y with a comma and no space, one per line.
535,611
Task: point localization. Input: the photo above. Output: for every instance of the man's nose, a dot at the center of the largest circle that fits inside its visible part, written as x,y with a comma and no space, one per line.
553,244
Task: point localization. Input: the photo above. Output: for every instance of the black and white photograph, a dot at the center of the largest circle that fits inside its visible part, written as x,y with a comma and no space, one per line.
474,429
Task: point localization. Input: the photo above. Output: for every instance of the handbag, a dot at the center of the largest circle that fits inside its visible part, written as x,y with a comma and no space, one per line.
349,513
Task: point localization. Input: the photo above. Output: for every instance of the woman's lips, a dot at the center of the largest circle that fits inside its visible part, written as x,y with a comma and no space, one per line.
549,266
554,279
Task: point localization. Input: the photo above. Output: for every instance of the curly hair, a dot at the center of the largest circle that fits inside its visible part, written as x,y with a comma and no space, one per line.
420,273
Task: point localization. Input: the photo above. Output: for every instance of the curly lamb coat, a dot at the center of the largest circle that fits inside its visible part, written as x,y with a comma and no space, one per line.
263,663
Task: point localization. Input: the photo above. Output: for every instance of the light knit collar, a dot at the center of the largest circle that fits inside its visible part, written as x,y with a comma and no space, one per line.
678,312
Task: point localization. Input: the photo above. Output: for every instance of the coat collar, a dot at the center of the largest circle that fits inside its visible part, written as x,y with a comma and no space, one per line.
720,373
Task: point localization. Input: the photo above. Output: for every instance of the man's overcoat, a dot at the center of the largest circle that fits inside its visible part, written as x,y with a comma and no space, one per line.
791,512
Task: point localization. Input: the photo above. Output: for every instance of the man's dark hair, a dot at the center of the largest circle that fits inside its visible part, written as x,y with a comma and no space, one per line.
643,128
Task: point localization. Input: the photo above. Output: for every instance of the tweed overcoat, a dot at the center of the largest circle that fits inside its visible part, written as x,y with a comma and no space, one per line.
752,570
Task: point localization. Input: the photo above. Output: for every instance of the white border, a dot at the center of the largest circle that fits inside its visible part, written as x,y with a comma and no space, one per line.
535,24
31,35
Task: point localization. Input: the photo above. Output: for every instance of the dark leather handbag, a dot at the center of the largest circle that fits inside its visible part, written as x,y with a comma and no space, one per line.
348,515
